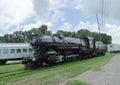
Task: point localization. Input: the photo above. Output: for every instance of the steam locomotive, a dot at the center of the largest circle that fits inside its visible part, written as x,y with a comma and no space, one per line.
56,49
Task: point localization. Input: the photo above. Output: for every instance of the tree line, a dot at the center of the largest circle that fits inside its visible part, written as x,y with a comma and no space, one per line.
26,36
106,39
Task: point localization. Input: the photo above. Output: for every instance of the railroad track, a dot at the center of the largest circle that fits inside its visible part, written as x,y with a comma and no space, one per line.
12,74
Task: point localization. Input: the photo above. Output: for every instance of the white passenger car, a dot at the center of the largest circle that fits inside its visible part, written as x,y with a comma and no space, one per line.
14,51
113,47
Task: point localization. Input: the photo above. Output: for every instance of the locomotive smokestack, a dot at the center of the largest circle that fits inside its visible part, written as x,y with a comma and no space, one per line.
43,30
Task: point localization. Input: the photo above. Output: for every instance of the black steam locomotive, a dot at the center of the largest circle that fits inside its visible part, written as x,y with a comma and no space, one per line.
56,49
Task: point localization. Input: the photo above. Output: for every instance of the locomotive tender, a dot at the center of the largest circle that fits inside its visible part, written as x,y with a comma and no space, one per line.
56,49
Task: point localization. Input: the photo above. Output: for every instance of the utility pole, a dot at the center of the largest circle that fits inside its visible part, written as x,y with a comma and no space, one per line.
98,27
102,19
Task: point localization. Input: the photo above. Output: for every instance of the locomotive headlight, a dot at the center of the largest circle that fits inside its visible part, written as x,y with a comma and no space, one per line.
33,59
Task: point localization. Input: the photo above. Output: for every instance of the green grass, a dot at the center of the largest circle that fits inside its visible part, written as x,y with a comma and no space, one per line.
51,75
10,67
76,82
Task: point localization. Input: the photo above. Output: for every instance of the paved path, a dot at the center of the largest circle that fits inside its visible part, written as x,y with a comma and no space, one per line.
109,75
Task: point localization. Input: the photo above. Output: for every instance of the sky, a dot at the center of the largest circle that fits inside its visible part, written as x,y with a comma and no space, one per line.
67,15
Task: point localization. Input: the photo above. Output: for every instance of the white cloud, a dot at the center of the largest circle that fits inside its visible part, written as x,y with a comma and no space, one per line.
13,13
27,27
114,31
87,25
77,4
66,27
110,9
57,4
58,15
90,7
42,9
48,10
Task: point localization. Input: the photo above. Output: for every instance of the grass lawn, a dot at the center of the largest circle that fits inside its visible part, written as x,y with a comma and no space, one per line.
10,67
50,75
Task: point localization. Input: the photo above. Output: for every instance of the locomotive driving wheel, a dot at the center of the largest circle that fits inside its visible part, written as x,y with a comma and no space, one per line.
51,57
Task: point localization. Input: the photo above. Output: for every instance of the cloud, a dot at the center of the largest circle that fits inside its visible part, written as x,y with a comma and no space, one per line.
114,31
77,4
48,10
42,9
13,13
87,25
90,8
27,27
58,15
110,9
58,4
66,27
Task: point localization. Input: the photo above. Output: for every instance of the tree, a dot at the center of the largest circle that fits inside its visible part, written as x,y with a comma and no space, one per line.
106,39
83,32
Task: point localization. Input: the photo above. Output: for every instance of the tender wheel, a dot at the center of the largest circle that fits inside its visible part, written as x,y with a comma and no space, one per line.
2,62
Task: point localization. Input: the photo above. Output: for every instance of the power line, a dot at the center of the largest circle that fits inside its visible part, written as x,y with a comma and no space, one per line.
102,14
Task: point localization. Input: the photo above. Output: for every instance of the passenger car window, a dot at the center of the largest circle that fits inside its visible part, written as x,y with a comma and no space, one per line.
18,50
24,50
5,51
30,50
12,51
